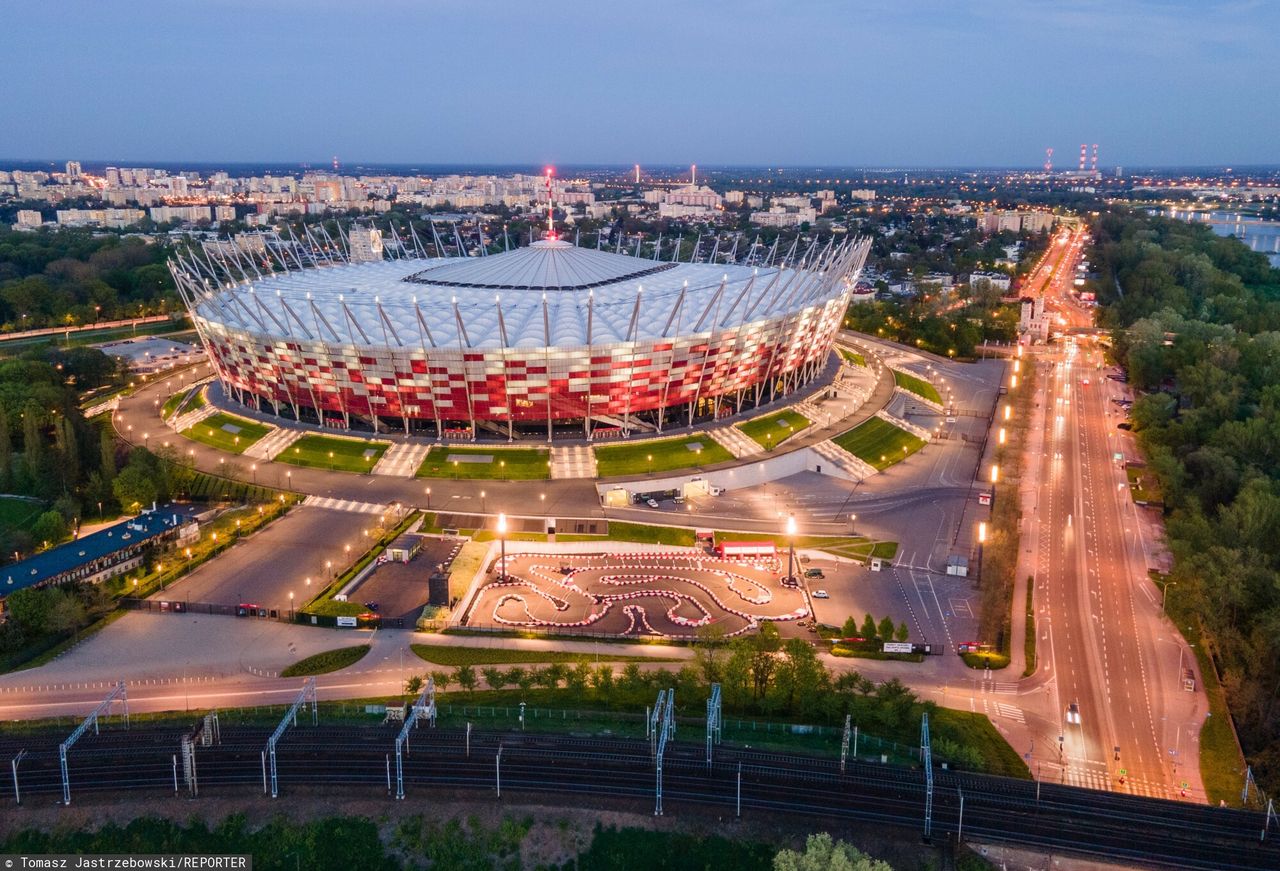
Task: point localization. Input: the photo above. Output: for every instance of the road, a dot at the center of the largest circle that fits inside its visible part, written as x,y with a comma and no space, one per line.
1103,644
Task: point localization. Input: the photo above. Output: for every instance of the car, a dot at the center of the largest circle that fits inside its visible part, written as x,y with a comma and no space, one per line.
652,503
1073,713
814,573
1125,426
1084,381
372,606
820,594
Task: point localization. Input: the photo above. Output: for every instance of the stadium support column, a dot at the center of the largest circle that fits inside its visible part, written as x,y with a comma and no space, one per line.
676,316
506,387
586,420
631,368
546,356
463,343
424,336
713,303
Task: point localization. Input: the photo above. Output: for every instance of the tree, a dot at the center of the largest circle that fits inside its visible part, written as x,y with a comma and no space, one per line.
49,528
850,627
465,677
868,627
442,679
413,685
764,648
885,630
822,853
29,608
709,652
6,450
134,488
494,677
67,613
578,678
903,632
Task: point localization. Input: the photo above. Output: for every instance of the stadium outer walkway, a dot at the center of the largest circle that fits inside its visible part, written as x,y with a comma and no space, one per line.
138,420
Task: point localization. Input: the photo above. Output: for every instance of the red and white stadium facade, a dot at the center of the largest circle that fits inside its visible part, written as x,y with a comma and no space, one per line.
548,338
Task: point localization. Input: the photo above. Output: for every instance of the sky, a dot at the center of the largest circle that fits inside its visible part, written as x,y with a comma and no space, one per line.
899,83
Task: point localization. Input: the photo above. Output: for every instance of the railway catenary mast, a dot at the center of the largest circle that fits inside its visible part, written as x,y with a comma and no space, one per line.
547,339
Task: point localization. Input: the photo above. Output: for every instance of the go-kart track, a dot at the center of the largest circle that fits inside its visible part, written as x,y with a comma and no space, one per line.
634,594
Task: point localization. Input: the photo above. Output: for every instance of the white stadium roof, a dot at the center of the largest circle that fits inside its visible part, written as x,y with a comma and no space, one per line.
550,293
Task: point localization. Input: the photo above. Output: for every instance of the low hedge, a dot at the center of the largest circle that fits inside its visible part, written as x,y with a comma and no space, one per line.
330,660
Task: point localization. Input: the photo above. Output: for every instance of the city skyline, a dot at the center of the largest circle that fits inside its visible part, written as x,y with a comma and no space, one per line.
929,85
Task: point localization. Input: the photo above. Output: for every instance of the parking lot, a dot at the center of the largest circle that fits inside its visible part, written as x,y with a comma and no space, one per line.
671,595
400,590
266,567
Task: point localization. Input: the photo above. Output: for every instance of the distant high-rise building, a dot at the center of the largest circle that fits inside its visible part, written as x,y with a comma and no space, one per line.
1119,172
73,169
366,244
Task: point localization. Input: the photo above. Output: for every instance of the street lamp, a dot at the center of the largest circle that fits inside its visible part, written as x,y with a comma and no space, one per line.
982,540
853,524
1165,596
483,508
291,606
995,473
428,498
502,544
1002,435
791,546
1008,411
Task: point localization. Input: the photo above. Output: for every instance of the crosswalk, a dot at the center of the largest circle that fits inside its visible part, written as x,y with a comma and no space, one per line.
735,441
351,505
573,461
271,444
402,460
1000,709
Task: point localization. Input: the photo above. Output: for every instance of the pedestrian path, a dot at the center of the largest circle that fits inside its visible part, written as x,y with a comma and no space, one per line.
351,505
402,459
735,441
271,444
573,461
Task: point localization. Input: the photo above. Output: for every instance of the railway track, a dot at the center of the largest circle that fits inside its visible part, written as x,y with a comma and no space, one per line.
1155,832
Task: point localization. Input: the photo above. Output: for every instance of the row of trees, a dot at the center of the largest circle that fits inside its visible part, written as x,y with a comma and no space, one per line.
74,276
873,631
759,674
1197,326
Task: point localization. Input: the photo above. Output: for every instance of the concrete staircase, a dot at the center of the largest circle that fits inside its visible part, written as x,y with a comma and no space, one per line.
846,462
573,461
402,460
191,418
917,431
271,444
735,441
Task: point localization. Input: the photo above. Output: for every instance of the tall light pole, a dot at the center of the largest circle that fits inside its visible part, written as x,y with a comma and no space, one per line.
982,539
1165,598
502,544
791,546
995,479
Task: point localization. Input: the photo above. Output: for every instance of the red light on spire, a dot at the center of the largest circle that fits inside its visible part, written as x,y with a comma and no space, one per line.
551,226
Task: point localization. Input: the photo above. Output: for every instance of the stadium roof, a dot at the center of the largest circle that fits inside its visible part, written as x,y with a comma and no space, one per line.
551,293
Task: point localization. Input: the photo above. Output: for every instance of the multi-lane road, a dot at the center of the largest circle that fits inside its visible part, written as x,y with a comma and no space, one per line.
1110,707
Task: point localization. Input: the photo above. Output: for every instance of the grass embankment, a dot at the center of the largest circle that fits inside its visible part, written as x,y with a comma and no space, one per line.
325,605
774,429
1000,553
503,464
1144,486
854,546
853,357
871,650
330,660
918,386
879,443
1029,638
660,455
226,432
463,656
337,454
1222,765
171,404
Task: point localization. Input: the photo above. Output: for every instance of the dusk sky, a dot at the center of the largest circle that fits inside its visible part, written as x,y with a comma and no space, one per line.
901,83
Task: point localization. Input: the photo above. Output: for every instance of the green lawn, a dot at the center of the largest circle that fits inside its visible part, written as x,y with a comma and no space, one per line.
879,443
782,425
226,433
516,464
667,454
918,386
326,452
456,656
853,357
171,404
19,513
330,660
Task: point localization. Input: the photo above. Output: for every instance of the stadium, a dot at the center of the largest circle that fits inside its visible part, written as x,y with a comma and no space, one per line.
548,340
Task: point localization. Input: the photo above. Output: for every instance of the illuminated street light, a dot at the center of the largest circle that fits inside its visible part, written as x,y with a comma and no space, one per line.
995,474
502,544
1002,435
1008,411
791,546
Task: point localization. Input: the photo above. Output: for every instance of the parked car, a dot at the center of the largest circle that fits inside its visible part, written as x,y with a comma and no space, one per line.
652,503
814,573
820,594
